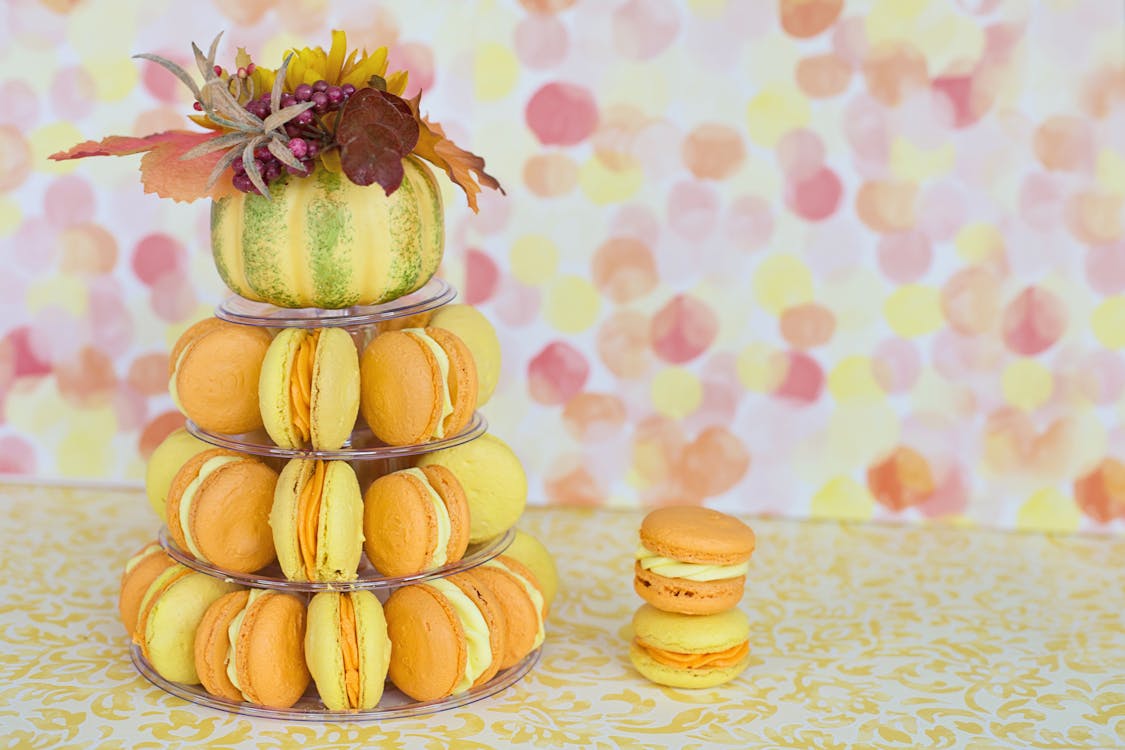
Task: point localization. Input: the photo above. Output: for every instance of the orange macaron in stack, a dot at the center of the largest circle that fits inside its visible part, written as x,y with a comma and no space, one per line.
690,568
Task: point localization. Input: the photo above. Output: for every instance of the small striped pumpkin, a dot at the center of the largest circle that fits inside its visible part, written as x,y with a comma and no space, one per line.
323,241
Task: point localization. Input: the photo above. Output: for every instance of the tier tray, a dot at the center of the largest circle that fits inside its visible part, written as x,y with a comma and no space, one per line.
361,446
369,578
237,309
394,704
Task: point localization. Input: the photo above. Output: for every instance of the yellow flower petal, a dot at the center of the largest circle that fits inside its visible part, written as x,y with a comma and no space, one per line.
396,82
373,65
331,161
336,56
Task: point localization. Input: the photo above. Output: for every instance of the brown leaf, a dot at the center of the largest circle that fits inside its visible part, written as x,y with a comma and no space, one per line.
459,164
376,132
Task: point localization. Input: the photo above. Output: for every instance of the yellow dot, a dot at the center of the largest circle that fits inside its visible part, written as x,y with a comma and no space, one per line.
495,71
1049,510
85,450
1108,322
915,164
37,410
708,8
782,281
272,53
761,368
1111,171
859,433
603,185
914,310
843,497
533,258
853,380
1027,384
572,304
67,292
10,216
58,136
676,392
114,77
979,243
774,112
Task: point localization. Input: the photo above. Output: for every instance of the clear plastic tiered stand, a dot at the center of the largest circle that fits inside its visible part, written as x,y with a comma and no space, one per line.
370,459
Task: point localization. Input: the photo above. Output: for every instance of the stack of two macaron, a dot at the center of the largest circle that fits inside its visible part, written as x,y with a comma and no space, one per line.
691,568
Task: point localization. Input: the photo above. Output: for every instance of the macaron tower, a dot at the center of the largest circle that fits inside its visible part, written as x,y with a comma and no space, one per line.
335,512
690,568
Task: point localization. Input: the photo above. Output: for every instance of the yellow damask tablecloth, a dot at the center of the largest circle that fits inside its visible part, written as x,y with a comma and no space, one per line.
863,636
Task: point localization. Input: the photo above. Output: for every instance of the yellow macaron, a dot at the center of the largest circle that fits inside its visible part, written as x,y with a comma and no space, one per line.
480,336
531,552
317,521
166,460
347,649
690,651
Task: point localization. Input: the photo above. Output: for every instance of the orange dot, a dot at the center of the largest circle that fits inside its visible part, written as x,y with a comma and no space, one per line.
886,206
807,18
89,380
712,463
149,374
808,325
891,70
1065,143
902,480
822,76
158,120
1094,218
15,157
1101,493
617,130
569,482
624,269
657,444
550,175
547,6
970,300
713,151
593,417
1104,89
88,249
161,427
623,344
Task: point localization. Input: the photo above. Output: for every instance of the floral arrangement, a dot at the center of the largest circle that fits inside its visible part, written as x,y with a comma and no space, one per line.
334,110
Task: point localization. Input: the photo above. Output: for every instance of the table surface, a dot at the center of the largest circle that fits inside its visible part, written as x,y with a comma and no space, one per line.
862,636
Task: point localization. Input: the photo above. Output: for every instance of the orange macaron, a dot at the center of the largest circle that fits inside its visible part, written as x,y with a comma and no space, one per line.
140,571
213,375
521,599
447,636
417,385
218,510
415,520
692,560
249,646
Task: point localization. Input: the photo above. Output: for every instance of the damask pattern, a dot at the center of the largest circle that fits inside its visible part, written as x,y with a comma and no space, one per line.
869,636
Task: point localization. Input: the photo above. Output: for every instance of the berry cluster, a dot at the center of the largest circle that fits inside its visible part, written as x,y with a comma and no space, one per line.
305,132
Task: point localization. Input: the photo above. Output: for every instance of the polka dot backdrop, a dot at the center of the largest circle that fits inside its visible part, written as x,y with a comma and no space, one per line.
806,258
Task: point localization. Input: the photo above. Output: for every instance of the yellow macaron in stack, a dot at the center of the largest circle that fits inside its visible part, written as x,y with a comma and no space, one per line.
690,568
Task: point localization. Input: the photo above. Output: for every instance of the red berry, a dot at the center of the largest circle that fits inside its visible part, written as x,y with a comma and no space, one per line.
320,99
335,94
313,150
303,92
251,68
218,70
299,147
321,85
197,107
263,153
305,118
348,89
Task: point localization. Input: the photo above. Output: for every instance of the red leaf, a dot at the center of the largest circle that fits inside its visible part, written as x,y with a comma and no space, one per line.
376,132
459,164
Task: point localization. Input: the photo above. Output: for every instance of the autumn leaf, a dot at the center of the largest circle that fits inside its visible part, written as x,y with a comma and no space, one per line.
459,164
376,132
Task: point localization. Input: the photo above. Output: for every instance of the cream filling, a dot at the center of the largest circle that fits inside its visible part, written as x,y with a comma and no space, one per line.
476,632
443,365
232,638
444,529
172,380
205,471
533,593
671,568
136,559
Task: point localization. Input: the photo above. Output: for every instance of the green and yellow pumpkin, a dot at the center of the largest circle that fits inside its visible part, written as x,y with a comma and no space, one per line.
323,241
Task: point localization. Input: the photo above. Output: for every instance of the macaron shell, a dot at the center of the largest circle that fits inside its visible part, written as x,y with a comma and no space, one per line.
428,647
399,525
323,652
271,652
194,333
401,389
273,387
480,336
212,645
374,647
462,379
489,605
452,494
335,389
185,476
697,535
340,542
493,479
230,516
165,461
531,552
690,634
687,597
419,320
217,379
663,674
168,626
520,617
135,583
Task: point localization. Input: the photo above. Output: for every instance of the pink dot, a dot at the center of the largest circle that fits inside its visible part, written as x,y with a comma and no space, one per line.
69,201
557,373
959,91
1105,268
111,324
541,41
21,105
172,297
692,209
896,365
1033,321
1041,201
516,304
131,409
642,29
941,211
495,210
804,380
481,277
950,497
1102,376
748,223
905,256
160,83
156,255
33,247
865,125
416,58
27,362
17,456
683,329
800,153
849,40
817,197
562,114
635,220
